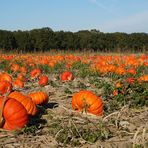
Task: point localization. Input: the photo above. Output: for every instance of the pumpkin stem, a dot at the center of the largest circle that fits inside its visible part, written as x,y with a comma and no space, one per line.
2,108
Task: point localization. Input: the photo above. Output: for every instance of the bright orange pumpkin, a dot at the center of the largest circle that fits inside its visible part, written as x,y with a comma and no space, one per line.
21,77
66,76
35,73
143,78
5,86
15,67
14,114
43,80
25,101
23,70
39,97
88,101
18,83
5,77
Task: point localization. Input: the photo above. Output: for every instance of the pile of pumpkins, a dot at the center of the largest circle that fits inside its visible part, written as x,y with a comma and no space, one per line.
16,107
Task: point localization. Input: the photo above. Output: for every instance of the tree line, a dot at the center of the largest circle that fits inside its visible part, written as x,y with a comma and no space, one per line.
45,39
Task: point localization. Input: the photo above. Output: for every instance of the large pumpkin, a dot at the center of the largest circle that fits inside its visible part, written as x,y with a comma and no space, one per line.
39,97
88,101
25,101
14,114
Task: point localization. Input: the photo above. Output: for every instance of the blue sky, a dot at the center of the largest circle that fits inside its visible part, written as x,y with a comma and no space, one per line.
73,15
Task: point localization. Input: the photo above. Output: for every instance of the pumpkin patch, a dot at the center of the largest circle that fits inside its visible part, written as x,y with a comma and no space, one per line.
73,98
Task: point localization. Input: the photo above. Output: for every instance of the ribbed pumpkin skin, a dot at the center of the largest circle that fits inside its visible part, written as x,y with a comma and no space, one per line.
39,97
25,101
14,113
87,100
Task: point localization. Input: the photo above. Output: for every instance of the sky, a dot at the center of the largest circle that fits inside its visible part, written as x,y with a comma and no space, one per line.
73,15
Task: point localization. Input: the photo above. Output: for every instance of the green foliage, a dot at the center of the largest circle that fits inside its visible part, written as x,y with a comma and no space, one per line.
135,95
4,64
72,133
45,39
81,69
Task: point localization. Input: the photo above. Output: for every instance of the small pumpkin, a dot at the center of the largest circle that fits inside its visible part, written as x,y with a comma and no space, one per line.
88,101
22,77
35,73
15,67
23,70
5,86
25,101
18,83
39,97
67,76
143,78
43,80
14,114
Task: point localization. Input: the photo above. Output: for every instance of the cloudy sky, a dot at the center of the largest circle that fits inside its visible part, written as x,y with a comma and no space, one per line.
72,15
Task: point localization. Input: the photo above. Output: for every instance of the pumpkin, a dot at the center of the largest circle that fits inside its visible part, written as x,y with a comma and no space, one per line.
130,80
66,76
143,78
43,80
25,101
39,97
35,73
88,101
14,114
5,77
18,83
23,70
5,87
120,71
15,67
21,77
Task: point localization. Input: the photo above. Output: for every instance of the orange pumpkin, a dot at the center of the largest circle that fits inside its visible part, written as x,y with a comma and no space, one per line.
43,80
23,70
88,101
39,97
21,77
5,77
143,78
14,114
5,87
25,101
120,71
35,73
18,83
66,76
15,67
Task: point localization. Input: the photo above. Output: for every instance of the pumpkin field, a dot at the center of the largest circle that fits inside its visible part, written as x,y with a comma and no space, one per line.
73,100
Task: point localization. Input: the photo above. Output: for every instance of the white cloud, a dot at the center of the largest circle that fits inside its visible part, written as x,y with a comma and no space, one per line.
99,4
134,23
105,7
